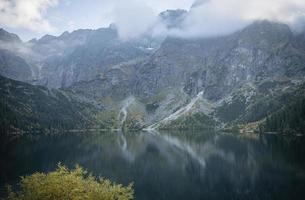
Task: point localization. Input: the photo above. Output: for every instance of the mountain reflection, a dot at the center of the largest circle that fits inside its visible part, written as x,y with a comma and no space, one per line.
170,165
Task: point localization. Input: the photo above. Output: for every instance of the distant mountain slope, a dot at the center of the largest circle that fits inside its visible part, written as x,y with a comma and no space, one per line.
13,66
26,107
71,57
101,50
8,37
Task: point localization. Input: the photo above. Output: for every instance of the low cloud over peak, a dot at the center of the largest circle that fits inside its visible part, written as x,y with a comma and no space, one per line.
218,17
209,18
132,18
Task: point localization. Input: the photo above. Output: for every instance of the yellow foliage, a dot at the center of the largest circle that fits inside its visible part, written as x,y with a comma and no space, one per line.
65,184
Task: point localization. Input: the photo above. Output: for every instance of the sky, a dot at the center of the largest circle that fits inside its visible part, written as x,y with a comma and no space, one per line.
35,18
38,17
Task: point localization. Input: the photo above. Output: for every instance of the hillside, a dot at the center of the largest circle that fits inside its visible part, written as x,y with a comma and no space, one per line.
24,107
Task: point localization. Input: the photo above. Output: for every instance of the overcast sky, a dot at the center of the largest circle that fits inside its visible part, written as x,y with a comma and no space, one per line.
34,18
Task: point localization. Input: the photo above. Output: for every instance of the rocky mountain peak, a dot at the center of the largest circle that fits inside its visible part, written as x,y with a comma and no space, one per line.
267,27
265,33
8,37
64,34
47,38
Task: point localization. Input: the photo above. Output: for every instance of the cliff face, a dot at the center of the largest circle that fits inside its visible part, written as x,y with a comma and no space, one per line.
232,74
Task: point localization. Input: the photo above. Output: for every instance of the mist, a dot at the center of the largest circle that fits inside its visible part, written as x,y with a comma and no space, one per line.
132,19
208,18
221,17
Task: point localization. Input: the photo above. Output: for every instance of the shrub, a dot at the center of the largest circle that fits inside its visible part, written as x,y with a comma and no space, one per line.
65,184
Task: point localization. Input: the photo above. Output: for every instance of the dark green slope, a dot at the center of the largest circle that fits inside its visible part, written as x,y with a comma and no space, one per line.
24,107
276,110
288,119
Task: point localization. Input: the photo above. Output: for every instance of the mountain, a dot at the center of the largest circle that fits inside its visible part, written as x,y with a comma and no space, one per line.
101,50
82,55
69,58
233,75
183,83
13,63
218,65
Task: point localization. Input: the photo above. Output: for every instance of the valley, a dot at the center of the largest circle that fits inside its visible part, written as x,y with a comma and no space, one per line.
152,100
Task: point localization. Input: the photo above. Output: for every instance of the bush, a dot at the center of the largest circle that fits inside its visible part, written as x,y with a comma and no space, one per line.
65,184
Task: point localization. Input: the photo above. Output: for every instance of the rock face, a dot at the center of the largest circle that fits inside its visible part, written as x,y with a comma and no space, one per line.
219,65
83,55
71,57
227,79
229,71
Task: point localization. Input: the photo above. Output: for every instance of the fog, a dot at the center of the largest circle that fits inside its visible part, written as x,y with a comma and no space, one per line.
219,17
208,18
132,19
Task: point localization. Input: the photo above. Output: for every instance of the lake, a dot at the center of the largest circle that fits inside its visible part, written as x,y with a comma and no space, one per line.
169,165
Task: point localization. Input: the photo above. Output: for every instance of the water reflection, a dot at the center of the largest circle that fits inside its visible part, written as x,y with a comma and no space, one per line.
171,165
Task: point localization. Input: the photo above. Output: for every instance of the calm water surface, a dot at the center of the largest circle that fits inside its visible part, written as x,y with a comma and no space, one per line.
170,166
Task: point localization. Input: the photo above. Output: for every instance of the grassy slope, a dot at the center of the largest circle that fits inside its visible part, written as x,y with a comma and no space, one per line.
197,121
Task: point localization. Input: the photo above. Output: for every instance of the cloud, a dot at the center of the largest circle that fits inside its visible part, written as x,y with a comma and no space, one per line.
220,17
136,17
133,18
206,18
28,14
